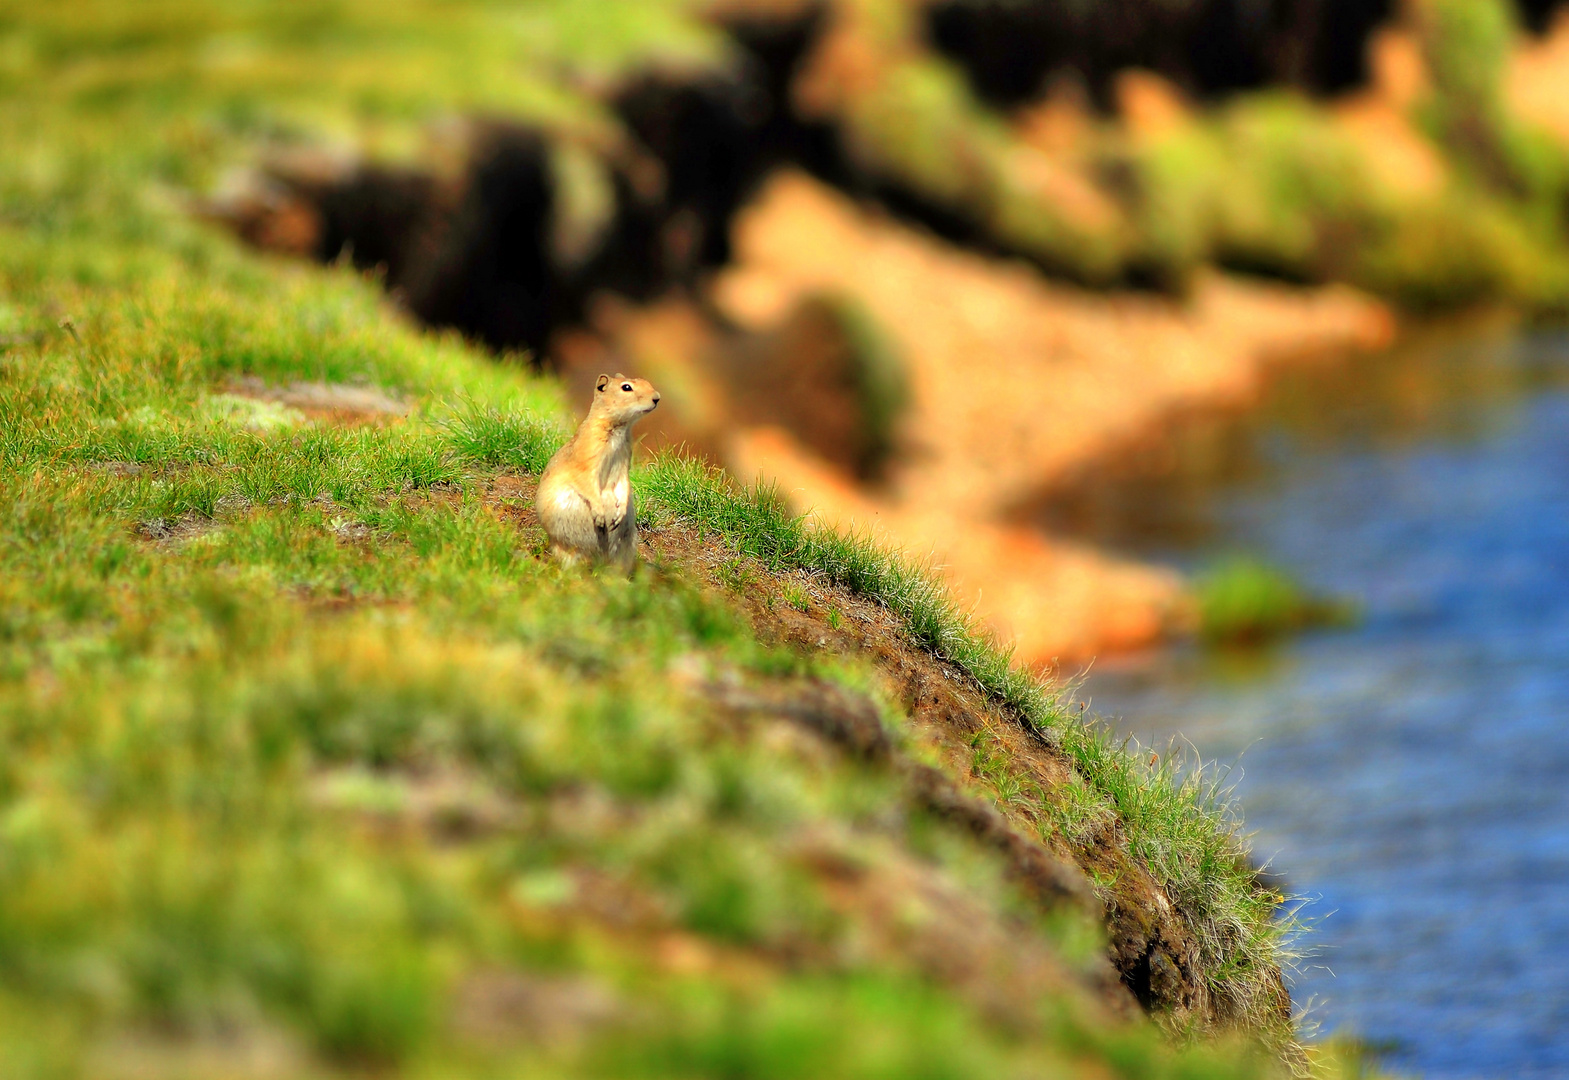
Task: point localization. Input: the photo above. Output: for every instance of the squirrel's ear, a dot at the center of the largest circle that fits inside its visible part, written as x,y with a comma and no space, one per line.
604,381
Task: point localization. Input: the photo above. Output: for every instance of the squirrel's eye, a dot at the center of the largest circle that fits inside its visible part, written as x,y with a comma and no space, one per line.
627,387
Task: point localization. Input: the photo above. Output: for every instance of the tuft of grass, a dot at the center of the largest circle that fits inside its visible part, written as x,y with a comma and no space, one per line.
486,435
1244,601
796,597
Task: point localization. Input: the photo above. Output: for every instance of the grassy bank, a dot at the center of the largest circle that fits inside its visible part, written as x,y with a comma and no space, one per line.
278,696
310,762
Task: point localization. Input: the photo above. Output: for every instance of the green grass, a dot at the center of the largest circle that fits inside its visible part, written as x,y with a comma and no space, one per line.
1179,822
302,739
1243,601
191,751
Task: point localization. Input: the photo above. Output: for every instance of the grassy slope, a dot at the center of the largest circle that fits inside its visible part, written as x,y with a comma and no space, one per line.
219,752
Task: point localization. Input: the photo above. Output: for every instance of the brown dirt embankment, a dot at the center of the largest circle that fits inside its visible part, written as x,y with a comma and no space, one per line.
1016,384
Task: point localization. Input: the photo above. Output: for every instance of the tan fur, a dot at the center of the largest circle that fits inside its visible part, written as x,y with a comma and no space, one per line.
585,493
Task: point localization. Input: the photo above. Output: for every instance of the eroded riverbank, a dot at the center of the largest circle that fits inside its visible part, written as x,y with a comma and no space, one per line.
1016,387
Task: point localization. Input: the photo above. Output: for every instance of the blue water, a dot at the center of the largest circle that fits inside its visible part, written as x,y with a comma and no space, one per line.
1412,774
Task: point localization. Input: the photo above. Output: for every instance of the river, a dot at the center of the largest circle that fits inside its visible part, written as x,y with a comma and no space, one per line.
1411,775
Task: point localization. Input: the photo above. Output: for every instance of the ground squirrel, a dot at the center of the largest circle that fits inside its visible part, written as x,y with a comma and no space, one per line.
585,494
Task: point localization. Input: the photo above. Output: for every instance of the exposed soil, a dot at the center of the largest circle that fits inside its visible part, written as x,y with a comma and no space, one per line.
1151,948
1017,379
1017,385
173,533
335,403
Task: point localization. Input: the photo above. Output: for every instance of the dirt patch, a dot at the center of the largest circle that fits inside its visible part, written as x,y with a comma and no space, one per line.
1151,948
503,1006
1058,601
250,1049
119,470
337,403
173,533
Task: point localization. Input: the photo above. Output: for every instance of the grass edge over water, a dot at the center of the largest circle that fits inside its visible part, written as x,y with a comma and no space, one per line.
1179,816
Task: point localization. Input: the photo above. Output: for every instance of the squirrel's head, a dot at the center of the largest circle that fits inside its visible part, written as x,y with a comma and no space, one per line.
623,398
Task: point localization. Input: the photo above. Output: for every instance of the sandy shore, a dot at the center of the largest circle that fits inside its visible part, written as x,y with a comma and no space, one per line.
1017,383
